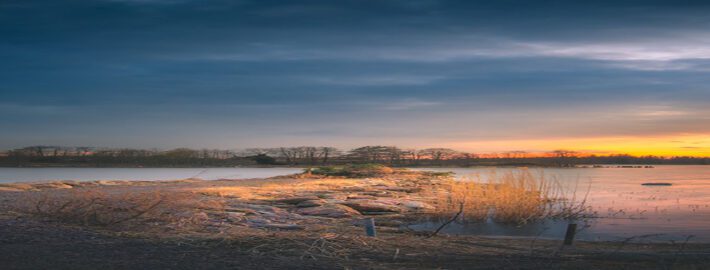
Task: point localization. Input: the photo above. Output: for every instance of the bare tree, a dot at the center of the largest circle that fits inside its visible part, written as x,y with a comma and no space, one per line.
376,153
563,157
328,152
438,154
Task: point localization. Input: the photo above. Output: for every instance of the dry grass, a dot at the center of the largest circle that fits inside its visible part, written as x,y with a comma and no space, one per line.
513,197
270,191
93,207
518,197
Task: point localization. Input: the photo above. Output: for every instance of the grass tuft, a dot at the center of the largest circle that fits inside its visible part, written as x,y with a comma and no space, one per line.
513,197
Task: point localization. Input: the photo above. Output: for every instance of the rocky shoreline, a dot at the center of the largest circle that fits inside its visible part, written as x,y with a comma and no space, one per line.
305,221
284,203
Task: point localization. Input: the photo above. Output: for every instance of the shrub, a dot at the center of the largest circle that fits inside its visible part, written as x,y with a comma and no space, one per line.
354,170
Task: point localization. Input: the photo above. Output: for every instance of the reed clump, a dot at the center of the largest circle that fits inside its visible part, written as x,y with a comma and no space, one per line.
517,197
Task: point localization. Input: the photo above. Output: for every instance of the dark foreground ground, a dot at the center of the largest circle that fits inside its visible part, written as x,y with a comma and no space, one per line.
32,244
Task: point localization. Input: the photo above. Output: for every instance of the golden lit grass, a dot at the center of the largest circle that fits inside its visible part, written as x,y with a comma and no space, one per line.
270,191
513,197
516,197
172,208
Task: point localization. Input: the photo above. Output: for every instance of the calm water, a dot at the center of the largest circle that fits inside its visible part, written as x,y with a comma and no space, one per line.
625,207
90,174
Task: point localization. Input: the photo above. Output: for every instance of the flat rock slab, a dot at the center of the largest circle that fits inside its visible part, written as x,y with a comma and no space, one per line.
361,197
311,203
329,210
245,207
279,226
404,189
417,205
296,200
372,206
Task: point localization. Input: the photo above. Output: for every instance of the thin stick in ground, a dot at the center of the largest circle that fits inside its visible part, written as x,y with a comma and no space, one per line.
449,221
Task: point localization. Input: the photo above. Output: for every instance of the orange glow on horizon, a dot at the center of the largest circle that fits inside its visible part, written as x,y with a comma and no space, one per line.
697,145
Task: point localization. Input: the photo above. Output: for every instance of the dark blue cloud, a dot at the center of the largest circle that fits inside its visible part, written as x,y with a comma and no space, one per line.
217,73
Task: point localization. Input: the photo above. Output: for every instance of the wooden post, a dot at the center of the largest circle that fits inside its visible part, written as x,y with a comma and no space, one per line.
370,227
569,235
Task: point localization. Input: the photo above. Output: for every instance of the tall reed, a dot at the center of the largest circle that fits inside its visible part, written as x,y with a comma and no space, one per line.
516,197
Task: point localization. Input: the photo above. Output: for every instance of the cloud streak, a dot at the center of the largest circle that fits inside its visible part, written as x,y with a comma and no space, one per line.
687,52
357,72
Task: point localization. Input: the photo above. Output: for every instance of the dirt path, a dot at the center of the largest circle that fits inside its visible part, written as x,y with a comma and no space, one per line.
27,244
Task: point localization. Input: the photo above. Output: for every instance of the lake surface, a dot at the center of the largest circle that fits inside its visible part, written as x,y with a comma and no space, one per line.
624,207
8,175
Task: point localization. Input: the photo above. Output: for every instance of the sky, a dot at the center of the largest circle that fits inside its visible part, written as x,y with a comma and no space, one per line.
480,76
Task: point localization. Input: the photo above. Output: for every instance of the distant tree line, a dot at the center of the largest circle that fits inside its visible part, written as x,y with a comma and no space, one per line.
103,157
311,156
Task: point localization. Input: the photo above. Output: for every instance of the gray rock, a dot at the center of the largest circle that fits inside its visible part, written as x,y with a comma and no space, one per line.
417,205
311,203
404,189
281,226
295,200
235,216
329,210
361,197
257,221
372,206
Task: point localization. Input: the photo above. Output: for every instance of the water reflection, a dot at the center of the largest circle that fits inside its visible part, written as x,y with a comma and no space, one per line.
624,207
92,174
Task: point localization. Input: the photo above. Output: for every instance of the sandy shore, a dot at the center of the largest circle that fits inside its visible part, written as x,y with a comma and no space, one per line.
297,222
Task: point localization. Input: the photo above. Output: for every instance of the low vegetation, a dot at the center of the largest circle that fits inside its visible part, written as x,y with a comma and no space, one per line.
306,222
311,201
353,170
123,210
513,197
